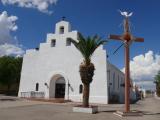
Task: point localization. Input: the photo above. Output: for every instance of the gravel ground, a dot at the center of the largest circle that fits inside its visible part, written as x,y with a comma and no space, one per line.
32,110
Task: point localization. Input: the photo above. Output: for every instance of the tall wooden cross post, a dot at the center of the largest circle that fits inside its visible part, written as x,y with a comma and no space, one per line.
127,38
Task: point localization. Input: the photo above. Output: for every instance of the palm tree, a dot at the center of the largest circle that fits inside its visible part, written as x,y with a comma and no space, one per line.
86,47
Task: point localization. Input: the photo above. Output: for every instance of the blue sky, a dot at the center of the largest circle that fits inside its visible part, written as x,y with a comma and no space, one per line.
91,17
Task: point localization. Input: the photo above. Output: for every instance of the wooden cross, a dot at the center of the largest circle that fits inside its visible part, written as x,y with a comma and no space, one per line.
127,38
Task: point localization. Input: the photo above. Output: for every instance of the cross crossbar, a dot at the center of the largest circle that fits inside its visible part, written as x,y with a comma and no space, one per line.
120,37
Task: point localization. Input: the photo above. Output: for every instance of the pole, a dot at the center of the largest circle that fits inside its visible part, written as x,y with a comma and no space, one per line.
68,89
127,78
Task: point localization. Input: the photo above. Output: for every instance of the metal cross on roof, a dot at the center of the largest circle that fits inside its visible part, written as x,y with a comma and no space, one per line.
63,18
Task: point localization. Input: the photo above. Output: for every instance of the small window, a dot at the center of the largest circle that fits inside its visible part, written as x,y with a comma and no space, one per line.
113,80
53,43
61,30
68,42
109,74
37,48
80,88
118,83
37,86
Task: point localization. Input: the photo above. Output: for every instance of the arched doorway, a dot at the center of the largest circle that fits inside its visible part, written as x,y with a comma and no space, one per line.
57,87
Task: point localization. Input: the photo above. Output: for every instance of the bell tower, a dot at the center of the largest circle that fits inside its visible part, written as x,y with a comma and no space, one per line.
62,27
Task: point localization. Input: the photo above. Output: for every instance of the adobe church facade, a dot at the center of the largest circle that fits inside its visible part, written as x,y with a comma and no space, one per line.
52,71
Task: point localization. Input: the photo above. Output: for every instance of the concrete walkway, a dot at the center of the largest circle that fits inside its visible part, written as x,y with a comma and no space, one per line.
32,110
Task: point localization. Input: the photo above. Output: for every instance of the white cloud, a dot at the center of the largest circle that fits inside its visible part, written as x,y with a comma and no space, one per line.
7,25
145,67
41,5
146,84
10,49
8,43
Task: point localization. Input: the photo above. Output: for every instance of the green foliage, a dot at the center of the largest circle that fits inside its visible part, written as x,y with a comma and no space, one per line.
157,81
10,68
157,78
87,46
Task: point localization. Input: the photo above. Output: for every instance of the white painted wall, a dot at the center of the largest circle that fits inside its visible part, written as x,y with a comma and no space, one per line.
41,66
115,79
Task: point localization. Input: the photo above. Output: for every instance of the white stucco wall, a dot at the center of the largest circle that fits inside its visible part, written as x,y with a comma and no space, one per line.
115,79
115,83
40,66
48,62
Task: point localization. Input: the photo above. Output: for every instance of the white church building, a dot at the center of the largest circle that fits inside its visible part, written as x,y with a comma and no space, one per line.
52,71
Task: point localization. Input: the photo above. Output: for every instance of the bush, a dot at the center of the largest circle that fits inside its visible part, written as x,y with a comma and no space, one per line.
157,82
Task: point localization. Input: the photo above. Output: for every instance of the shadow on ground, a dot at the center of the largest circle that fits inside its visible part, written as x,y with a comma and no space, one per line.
150,113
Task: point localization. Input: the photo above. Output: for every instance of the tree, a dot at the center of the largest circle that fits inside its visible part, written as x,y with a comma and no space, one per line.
86,47
18,64
10,68
157,81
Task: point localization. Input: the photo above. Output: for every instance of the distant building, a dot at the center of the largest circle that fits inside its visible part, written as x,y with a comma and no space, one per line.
52,71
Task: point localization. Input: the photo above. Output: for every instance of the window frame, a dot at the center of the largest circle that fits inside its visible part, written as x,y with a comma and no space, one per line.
61,30
37,86
114,81
80,89
53,42
68,42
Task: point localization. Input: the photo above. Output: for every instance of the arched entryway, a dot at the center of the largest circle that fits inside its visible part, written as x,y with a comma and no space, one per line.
57,87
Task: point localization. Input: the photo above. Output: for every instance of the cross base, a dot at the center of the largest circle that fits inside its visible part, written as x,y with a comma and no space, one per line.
128,114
